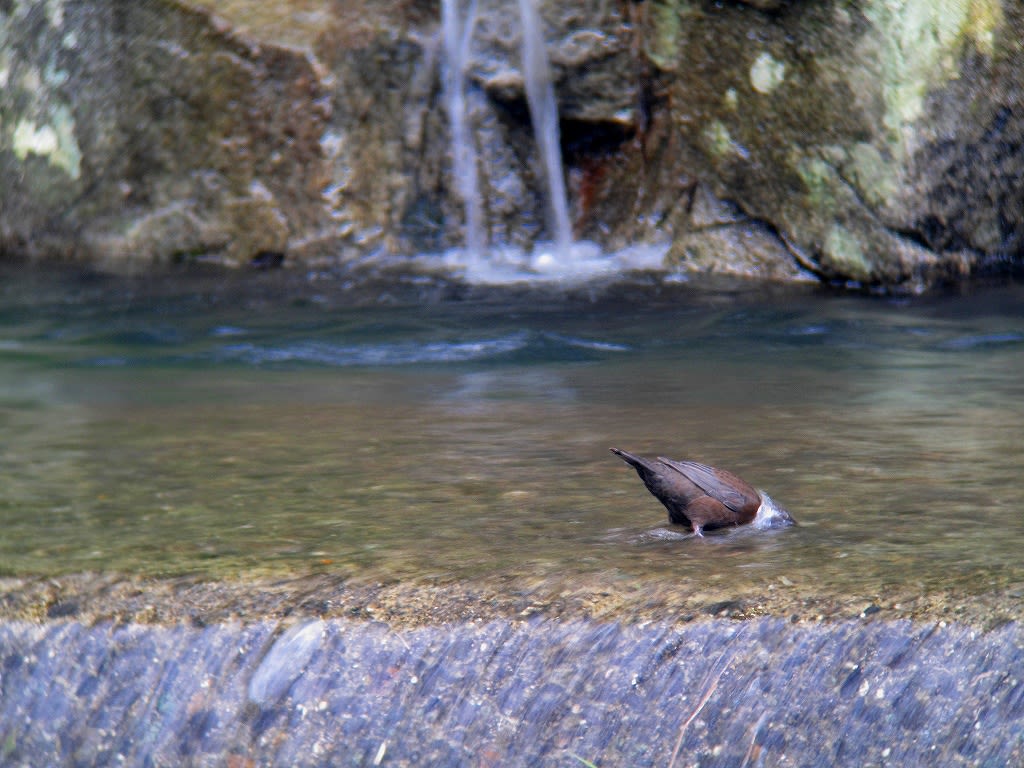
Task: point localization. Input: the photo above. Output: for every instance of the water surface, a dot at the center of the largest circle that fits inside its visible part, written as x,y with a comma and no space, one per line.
242,425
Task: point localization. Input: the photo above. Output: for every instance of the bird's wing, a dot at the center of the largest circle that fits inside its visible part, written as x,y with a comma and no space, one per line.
736,494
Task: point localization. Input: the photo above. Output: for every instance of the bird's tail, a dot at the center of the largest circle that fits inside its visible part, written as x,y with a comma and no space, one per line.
629,458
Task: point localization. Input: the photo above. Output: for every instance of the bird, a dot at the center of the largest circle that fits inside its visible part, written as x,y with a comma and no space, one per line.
703,497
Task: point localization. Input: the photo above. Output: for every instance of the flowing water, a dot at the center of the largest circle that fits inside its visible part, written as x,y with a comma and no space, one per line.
457,31
560,258
249,424
540,94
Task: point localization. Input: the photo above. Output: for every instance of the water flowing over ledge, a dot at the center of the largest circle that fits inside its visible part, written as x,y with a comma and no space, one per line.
481,261
513,693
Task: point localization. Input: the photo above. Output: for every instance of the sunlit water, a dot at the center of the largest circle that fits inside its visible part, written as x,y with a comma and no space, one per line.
247,424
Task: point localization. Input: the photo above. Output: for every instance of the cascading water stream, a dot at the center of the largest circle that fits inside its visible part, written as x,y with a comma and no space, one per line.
458,35
540,95
562,259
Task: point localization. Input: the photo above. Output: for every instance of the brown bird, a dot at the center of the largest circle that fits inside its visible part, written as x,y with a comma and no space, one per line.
704,497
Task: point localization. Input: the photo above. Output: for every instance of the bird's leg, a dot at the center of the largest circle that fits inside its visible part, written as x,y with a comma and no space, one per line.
697,531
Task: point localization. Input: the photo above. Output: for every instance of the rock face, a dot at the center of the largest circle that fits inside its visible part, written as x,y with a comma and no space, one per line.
148,132
867,137
343,692
877,143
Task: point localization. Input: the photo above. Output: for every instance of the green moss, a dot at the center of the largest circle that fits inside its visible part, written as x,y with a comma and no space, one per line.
843,250
844,253
818,178
766,73
662,46
731,99
983,20
875,176
719,141
922,44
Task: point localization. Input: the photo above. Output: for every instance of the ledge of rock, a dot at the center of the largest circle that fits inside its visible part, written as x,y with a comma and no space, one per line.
502,692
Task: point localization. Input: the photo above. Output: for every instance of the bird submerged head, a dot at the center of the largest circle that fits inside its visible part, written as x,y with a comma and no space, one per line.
771,515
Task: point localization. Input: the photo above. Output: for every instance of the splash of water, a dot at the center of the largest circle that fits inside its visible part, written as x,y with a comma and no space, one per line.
540,95
458,36
581,262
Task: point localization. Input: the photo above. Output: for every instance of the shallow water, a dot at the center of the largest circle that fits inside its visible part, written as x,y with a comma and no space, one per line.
238,425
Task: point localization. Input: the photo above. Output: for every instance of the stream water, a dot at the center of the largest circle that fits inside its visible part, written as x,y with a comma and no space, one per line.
224,426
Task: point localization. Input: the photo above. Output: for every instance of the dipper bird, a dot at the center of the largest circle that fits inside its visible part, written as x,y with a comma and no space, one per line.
702,497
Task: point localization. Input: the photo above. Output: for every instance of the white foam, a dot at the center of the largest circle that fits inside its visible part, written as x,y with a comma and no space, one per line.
770,514
577,262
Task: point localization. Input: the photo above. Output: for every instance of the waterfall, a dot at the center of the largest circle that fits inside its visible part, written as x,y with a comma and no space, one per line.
563,259
458,35
540,95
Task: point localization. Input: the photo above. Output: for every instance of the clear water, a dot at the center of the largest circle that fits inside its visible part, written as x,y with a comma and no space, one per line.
265,424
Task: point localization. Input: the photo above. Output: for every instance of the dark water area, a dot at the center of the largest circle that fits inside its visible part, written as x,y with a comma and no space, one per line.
232,426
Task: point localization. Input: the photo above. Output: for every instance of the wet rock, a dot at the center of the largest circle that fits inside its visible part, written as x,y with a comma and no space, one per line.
878,144
153,132
543,690
845,128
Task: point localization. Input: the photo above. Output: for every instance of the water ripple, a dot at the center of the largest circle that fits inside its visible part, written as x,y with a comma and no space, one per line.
590,344
402,353
977,341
